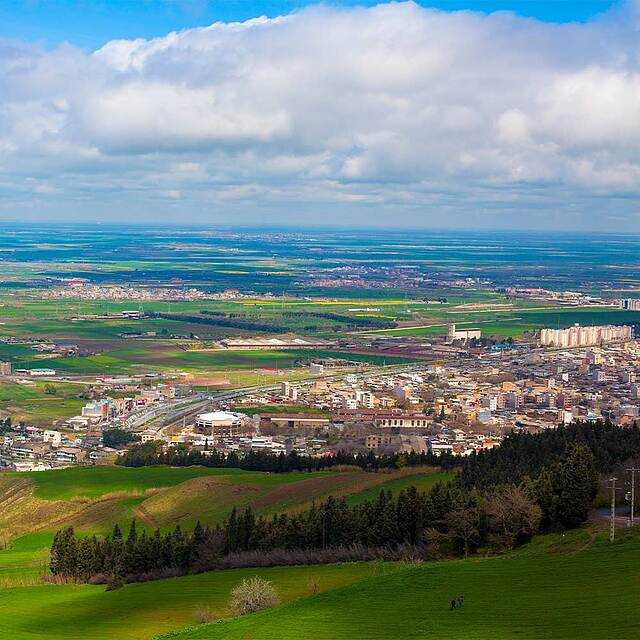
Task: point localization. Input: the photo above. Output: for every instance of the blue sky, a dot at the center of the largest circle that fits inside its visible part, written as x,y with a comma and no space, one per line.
91,23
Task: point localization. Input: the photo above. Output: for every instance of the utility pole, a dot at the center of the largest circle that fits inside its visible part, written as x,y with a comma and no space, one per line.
633,494
612,529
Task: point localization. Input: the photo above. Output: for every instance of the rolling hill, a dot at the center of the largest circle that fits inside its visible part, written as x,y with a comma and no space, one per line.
92,500
140,611
576,586
562,586
565,588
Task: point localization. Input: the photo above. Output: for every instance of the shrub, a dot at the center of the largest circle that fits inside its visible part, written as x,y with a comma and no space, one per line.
202,615
253,594
115,583
314,586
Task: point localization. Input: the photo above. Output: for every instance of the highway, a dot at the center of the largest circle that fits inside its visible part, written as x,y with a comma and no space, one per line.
168,414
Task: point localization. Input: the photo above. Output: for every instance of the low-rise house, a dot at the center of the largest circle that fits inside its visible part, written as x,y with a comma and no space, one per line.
31,451
69,455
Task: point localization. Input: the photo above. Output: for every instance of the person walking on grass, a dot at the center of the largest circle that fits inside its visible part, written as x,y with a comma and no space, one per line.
453,604
460,601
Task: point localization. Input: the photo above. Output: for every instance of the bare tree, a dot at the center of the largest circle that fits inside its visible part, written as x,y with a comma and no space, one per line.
513,515
463,528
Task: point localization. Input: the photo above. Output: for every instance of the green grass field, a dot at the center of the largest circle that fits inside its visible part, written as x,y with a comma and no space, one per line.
34,405
515,322
572,587
76,612
422,482
93,482
552,589
26,316
107,352
92,500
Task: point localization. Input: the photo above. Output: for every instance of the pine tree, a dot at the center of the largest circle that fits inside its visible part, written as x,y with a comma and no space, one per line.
133,533
232,532
56,562
84,568
543,493
576,483
248,523
198,534
68,553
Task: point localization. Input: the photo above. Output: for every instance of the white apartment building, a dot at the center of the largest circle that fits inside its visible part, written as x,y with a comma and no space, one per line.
578,336
365,399
630,304
288,391
349,403
489,402
54,438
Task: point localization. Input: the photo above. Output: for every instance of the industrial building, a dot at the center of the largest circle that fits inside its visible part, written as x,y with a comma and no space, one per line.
454,334
279,342
221,423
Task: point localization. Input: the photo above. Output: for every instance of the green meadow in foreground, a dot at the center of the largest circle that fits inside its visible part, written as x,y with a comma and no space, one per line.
564,587
572,589
137,611
567,587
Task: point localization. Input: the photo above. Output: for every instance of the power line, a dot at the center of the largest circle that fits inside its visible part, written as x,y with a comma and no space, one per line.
612,524
633,493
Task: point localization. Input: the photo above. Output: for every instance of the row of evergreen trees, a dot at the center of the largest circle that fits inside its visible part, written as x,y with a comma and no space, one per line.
524,454
386,522
227,321
181,455
113,558
450,516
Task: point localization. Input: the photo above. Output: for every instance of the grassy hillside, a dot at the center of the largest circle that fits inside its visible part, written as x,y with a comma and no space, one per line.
562,587
567,589
93,499
93,482
422,482
101,482
137,611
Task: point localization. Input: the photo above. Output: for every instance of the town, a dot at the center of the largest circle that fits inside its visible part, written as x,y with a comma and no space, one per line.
467,401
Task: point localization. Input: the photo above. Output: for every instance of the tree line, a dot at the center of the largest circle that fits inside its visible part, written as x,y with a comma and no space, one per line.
226,321
352,321
389,523
116,438
182,455
519,455
525,454
450,519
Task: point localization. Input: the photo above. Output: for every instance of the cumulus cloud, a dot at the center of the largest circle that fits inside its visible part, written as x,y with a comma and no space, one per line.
399,110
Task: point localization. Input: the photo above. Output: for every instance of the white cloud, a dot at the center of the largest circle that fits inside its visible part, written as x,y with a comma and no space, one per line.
394,106
513,127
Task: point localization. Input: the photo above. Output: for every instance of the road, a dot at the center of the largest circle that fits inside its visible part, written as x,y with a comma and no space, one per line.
167,415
